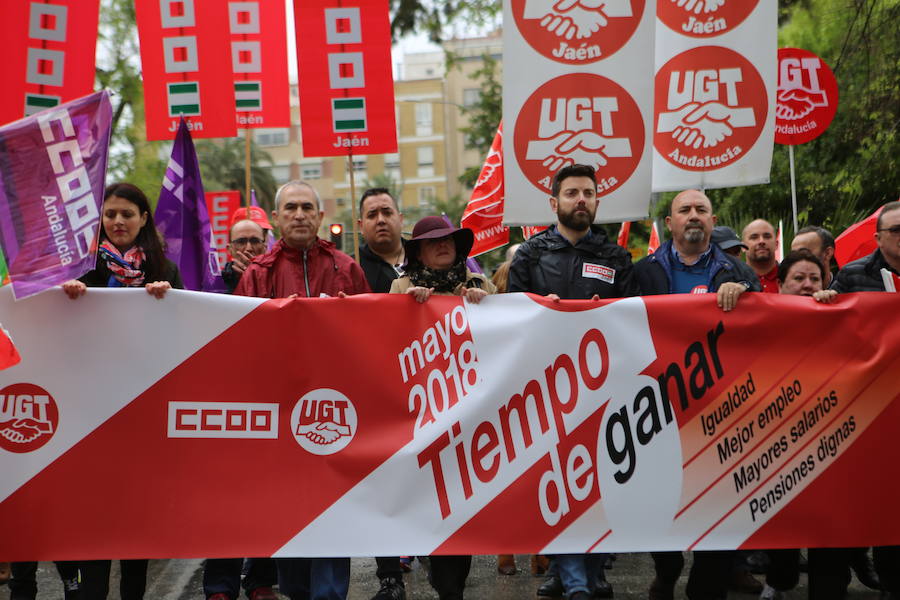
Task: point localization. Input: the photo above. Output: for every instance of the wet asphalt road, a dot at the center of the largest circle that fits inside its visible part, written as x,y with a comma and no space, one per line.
630,577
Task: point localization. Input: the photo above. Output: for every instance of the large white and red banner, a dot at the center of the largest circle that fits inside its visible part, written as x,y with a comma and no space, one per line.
577,89
48,58
629,425
716,80
346,87
258,30
183,43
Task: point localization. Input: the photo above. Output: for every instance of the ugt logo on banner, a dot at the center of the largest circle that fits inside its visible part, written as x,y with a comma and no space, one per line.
807,97
579,119
346,85
577,31
711,108
704,18
28,417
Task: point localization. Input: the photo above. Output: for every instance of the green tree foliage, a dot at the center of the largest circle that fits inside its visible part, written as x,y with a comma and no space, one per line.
435,17
484,116
852,168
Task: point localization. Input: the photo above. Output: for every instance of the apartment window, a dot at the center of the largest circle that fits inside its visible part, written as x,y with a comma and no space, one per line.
392,165
426,196
359,164
471,96
425,155
311,171
281,173
423,119
272,137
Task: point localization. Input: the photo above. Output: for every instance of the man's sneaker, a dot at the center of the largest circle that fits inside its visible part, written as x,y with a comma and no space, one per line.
770,593
742,581
580,596
263,592
391,589
551,588
219,596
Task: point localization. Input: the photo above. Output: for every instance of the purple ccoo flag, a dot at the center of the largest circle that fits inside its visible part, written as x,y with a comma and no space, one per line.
182,218
52,170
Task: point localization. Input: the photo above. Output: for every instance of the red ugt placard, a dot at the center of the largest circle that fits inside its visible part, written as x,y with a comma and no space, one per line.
346,88
49,54
258,31
182,45
807,97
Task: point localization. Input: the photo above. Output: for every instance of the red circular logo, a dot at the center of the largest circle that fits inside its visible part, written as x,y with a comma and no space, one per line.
577,31
579,119
711,105
807,97
704,18
28,417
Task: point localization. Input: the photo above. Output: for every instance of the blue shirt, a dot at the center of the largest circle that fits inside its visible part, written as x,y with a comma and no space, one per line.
691,279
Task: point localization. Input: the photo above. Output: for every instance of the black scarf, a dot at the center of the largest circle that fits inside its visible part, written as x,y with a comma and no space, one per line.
444,281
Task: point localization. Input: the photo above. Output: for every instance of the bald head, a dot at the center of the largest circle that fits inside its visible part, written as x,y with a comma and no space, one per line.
759,237
691,222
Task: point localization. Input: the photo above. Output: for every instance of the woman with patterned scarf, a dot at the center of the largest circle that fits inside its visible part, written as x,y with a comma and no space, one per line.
436,264
131,252
130,255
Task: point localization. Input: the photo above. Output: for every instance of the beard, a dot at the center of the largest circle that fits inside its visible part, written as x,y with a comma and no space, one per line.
576,220
694,234
762,255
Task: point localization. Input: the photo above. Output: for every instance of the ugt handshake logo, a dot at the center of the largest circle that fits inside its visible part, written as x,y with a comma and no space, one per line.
324,421
575,19
799,89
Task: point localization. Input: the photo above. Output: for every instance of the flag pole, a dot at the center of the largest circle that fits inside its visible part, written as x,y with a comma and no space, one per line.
247,169
353,204
793,186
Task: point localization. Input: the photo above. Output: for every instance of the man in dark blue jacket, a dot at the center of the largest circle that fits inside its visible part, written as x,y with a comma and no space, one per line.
689,264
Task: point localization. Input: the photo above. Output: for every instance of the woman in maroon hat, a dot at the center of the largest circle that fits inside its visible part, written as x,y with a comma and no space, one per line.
436,263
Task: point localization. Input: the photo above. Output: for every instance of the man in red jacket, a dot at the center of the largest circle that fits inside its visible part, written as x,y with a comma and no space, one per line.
301,264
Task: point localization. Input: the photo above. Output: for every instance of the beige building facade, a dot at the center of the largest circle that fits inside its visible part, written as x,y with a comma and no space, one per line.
431,150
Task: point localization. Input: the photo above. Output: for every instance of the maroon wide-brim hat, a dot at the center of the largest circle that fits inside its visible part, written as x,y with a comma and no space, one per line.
435,228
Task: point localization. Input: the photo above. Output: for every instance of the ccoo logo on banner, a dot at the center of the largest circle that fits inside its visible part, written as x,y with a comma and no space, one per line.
597,112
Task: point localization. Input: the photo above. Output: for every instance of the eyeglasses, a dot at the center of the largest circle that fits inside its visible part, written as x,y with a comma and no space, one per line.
255,241
895,230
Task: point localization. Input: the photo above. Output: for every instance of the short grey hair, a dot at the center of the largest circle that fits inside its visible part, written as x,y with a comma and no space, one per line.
297,183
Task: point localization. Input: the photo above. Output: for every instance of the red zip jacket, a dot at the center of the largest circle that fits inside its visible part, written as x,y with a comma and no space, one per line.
321,269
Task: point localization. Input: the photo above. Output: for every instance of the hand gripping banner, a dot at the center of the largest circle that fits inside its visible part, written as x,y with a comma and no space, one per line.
656,423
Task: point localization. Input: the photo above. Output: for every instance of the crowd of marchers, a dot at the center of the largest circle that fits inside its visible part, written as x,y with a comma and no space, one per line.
560,263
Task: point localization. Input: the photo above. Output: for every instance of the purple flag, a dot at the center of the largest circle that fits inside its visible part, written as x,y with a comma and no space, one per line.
52,171
471,263
182,218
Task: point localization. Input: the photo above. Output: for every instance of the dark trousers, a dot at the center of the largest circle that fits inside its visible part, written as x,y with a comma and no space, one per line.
23,585
388,566
448,575
784,569
95,579
887,565
829,572
314,578
223,575
709,575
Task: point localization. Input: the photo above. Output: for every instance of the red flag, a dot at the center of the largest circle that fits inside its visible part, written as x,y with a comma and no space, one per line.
624,232
49,52
258,32
484,212
346,85
182,52
856,241
220,206
529,231
9,356
653,244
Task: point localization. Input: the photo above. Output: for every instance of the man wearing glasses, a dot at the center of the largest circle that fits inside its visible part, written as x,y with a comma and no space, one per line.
879,271
246,239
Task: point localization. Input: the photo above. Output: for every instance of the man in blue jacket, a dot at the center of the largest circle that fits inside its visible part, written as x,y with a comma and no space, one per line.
689,264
